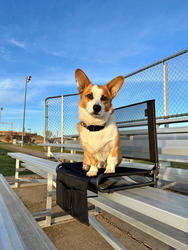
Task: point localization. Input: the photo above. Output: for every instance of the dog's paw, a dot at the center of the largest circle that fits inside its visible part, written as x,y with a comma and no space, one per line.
91,173
86,167
109,170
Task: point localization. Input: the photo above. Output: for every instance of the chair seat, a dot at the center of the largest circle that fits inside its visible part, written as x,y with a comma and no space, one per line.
110,182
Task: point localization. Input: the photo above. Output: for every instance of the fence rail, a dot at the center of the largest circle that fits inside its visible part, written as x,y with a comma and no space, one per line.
166,81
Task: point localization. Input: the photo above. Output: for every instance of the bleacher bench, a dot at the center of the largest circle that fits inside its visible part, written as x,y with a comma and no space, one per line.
159,213
18,229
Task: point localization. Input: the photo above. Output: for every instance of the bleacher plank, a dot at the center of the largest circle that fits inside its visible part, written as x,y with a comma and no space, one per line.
22,231
9,237
43,164
164,206
67,156
167,234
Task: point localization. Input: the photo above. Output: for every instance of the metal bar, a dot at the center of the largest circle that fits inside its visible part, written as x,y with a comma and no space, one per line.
20,169
105,234
156,63
49,151
172,116
134,104
41,213
52,97
17,173
49,198
45,122
62,122
71,95
23,128
158,122
159,117
42,181
153,150
165,88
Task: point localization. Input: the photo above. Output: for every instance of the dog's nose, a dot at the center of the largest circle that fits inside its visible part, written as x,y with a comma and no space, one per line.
97,108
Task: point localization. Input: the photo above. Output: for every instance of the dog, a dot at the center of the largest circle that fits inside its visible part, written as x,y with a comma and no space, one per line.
97,129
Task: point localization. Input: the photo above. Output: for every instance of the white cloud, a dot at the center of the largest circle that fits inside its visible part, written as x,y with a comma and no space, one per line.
5,84
17,43
4,53
11,84
57,53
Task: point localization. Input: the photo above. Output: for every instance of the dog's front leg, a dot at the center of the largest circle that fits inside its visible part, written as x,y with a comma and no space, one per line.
93,164
86,161
113,160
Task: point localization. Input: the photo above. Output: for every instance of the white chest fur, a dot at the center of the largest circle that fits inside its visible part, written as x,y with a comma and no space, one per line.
100,143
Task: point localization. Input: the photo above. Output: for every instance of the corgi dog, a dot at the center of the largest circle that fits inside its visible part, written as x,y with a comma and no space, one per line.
97,129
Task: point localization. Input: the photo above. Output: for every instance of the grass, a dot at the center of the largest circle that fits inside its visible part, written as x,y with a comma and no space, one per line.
7,164
179,165
27,146
34,147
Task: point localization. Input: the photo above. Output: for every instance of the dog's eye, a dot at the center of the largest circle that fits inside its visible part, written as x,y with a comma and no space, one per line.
90,96
104,98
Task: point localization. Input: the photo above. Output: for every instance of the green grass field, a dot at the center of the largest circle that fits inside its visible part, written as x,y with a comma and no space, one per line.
34,147
7,164
179,165
27,146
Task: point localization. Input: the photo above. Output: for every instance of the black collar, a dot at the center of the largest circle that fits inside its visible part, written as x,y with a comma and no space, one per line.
92,128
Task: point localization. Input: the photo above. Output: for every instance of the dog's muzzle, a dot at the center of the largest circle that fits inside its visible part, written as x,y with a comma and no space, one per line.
96,108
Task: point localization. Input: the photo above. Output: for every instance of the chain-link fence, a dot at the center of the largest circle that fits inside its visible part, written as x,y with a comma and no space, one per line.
53,113
166,81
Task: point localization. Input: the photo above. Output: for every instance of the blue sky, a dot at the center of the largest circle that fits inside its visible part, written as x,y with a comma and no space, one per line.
50,39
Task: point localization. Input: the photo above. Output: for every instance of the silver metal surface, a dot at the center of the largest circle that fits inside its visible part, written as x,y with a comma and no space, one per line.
166,207
105,234
28,78
30,233
9,237
165,86
62,112
170,236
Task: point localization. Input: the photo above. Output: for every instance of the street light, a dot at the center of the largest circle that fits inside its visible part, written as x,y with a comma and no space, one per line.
27,79
1,109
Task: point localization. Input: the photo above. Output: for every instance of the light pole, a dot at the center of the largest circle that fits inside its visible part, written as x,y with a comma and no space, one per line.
27,79
1,109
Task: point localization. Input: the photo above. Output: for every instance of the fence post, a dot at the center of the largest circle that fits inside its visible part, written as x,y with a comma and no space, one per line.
45,120
62,122
165,87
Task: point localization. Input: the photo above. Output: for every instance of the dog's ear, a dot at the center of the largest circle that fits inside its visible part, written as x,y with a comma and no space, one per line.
82,80
114,85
